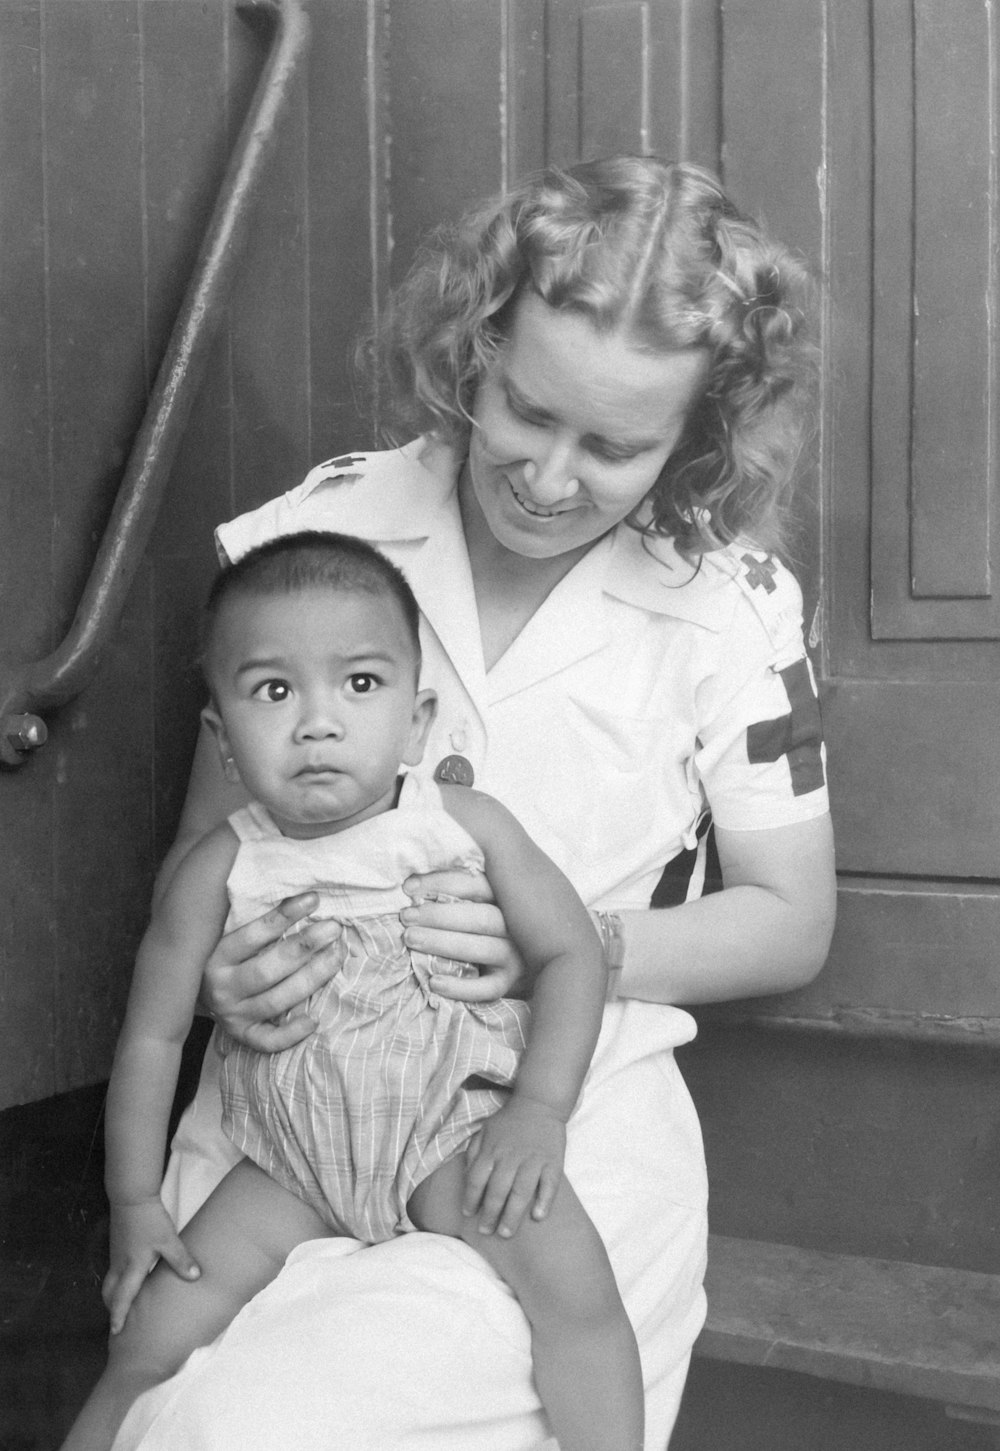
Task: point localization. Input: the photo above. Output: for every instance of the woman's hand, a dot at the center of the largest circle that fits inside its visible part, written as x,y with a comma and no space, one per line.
262,971
471,929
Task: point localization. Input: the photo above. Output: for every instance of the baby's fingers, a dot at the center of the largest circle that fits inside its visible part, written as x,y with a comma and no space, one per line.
179,1258
522,1195
494,1198
548,1183
477,1174
119,1290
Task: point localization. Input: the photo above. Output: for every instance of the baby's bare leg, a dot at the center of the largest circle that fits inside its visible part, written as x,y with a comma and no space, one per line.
240,1237
585,1355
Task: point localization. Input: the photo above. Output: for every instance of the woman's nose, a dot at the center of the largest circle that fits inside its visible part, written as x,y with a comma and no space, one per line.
552,477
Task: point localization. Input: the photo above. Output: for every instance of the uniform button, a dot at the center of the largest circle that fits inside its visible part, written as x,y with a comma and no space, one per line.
455,770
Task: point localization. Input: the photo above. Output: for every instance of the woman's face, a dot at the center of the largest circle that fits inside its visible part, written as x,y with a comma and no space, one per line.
571,430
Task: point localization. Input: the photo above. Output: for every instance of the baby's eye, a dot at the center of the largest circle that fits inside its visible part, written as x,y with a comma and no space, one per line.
363,683
273,690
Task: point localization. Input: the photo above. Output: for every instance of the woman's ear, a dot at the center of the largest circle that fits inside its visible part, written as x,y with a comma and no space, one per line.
424,711
213,720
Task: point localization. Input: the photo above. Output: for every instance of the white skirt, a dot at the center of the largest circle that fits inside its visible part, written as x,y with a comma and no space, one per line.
416,1342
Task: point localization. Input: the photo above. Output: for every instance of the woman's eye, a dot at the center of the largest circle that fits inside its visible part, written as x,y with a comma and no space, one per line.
526,414
608,454
363,683
273,690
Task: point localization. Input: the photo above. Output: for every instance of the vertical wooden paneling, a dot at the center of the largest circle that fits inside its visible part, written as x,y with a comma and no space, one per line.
346,213
562,81
27,991
97,370
614,79
192,106
934,485
269,319
616,76
775,166
198,66
955,299
773,158
24,406
527,50
445,73
94,225
116,120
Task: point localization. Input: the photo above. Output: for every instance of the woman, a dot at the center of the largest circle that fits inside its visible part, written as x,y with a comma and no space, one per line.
607,367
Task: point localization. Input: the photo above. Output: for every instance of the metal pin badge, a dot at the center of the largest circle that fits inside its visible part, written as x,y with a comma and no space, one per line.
455,770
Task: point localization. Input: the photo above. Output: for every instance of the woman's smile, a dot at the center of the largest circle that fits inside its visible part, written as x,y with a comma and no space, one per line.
535,510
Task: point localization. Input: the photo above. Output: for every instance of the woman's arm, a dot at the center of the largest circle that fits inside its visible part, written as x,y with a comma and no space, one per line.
768,931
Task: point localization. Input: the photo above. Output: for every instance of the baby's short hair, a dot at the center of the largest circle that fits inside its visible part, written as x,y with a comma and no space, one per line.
312,559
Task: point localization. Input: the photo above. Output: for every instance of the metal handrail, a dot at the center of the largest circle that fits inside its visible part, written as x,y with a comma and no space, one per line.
61,675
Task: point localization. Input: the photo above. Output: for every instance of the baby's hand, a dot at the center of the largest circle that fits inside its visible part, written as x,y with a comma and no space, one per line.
514,1163
141,1233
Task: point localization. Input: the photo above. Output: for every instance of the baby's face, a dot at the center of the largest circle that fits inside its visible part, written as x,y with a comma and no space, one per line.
317,703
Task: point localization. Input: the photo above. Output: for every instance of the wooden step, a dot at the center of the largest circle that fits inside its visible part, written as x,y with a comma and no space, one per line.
918,1330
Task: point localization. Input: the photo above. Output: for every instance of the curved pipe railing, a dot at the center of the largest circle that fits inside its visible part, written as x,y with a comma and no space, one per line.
59,677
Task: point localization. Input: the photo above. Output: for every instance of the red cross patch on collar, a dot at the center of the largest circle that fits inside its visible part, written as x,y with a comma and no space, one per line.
760,572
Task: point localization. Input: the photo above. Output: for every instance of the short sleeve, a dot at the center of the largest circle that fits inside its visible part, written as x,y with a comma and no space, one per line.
304,507
760,757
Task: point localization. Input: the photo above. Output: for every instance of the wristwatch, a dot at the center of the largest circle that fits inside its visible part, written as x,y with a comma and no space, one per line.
612,934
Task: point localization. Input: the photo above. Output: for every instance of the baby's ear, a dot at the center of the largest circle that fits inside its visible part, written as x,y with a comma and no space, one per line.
424,711
213,720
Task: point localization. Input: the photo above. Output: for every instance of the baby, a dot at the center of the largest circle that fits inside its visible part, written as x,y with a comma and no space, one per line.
403,1110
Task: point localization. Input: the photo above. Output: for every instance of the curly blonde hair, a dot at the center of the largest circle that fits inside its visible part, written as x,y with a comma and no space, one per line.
648,248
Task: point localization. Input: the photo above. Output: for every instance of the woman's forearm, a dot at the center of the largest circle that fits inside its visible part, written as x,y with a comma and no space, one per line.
739,943
768,931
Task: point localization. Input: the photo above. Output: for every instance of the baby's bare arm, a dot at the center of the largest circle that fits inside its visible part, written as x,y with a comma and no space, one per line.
516,1162
185,926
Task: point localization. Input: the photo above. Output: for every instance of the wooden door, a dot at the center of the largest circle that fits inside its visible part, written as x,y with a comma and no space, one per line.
879,158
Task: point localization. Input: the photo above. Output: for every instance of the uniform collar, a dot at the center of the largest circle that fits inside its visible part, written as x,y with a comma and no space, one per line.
409,507
410,495
407,493
650,572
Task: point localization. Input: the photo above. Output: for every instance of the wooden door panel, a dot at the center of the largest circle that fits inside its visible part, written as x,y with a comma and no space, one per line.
915,778
874,153
935,526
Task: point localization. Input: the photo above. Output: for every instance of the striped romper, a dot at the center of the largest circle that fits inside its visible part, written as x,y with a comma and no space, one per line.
395,1080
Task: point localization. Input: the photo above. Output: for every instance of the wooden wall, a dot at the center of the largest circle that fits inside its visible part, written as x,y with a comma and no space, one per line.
116,120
